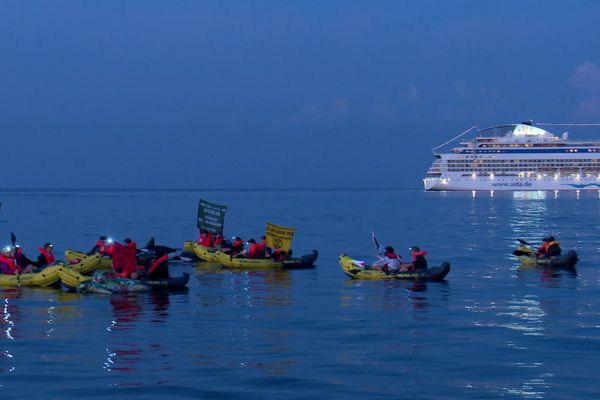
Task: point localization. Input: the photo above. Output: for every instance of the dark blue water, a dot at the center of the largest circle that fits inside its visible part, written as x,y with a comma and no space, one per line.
492,330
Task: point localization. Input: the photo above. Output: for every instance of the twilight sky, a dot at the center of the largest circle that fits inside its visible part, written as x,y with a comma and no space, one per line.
258,94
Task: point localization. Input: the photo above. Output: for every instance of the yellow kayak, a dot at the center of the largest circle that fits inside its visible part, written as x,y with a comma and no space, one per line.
208,254
360,271
213,255
87,263
46,277
71,278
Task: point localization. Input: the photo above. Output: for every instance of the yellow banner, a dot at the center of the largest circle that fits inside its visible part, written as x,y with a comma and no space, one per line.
279,237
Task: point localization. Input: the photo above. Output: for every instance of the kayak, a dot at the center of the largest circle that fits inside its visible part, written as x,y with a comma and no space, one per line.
567,260
84,263
363,272
208,254
71,279
47,277
218,257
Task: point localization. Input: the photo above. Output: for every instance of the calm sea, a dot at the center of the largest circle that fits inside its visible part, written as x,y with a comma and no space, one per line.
492,330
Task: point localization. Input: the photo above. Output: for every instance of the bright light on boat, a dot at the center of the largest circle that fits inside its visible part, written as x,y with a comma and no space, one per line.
491,176
577,177
473,193
555,176
539,177
474,176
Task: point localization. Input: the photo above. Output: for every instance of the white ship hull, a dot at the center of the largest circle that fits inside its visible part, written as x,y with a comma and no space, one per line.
511,183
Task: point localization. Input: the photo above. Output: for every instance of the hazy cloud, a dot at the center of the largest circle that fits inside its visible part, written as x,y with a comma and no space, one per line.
586,77
588,108
462,89
387,108
339,108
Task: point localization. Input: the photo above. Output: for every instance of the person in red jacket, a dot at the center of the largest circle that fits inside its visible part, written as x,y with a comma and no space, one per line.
218,240
265,249
237,246
100,247
205,239
8,264
255,250
418,258
390,261
46,256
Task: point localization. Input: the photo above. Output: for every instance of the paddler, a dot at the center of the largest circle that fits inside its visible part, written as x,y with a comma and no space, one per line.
390,261
255,250
549,248
46,256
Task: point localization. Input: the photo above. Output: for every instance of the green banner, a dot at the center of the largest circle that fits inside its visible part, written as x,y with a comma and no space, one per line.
211,216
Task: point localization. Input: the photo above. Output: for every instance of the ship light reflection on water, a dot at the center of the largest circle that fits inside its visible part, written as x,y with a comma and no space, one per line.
529,195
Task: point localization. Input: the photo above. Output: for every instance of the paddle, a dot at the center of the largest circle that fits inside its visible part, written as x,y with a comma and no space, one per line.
524,242
13,240
521,253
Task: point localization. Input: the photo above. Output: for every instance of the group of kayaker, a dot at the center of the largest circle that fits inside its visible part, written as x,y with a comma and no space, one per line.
14,261
389,261
237,248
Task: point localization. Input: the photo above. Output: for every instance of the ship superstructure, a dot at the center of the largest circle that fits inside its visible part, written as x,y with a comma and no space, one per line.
515,157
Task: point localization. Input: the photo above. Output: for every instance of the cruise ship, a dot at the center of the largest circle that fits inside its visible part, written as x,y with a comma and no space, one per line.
515,157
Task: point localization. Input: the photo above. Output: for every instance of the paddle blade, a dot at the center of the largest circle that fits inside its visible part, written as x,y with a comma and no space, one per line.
13,238
521,253
524,242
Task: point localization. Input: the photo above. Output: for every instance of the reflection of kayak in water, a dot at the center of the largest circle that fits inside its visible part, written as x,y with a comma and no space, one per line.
567,260
354,271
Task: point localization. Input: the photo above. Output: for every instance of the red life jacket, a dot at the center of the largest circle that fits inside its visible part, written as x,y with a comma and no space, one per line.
124,261
205,241
417,254
279,255
156,263
256,251
13,268
132,244
392,255
237,247
110,250
101,247
218,241
543,249
49,257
